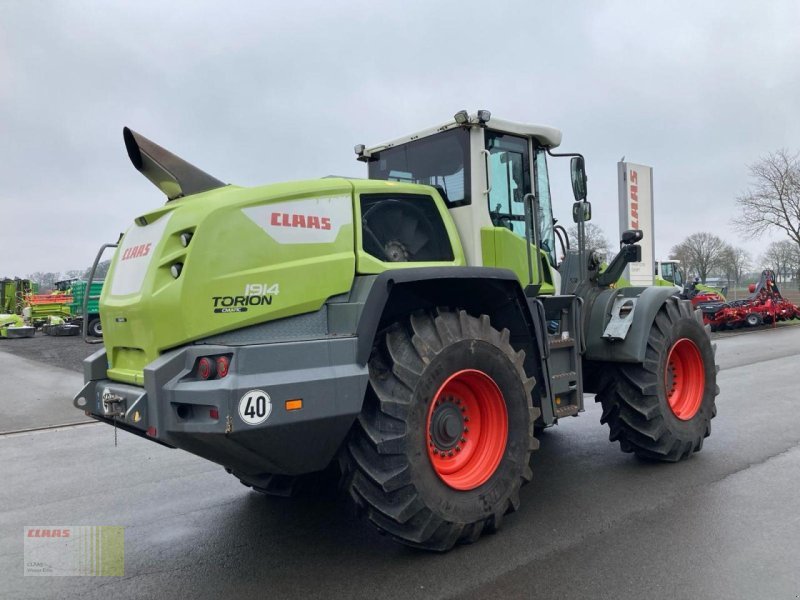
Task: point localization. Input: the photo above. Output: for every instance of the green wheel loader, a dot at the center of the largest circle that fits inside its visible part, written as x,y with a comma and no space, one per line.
415,329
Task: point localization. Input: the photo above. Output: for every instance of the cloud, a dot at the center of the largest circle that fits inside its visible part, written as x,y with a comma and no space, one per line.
261,92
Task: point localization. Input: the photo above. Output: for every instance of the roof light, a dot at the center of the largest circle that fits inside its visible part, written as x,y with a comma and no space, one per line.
484,116
185,239
461,117
176,269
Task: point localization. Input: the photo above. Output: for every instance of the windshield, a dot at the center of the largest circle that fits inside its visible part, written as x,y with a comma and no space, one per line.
440,160
667,271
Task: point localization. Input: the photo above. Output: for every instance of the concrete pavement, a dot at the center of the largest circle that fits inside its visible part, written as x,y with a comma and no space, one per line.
594,523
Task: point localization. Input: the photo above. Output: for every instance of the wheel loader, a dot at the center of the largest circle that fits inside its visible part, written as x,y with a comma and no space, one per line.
414,330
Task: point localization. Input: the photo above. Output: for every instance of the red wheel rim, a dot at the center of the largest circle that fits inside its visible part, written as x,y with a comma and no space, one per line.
467,429
685,379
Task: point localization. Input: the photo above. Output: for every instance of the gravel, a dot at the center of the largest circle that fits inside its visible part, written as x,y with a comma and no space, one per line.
64,352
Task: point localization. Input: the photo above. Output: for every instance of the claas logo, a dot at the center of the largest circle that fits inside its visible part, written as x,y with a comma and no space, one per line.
281,219
634,200
48,533
136,251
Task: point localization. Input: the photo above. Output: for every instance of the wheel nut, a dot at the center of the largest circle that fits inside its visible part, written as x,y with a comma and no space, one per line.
463,440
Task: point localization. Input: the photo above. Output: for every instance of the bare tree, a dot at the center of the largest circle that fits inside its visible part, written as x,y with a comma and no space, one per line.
773,200
784,258
735,262
100,273
700,253
46,281
73,274
595,238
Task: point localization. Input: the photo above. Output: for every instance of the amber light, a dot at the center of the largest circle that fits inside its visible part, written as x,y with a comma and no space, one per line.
295,404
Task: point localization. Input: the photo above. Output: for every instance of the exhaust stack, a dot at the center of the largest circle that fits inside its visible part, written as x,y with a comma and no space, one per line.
169,173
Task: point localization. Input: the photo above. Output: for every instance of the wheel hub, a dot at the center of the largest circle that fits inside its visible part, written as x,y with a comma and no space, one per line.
447,425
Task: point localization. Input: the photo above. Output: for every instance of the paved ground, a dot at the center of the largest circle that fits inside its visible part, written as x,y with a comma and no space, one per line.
595,523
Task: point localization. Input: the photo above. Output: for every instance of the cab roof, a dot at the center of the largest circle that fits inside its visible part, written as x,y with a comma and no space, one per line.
547,136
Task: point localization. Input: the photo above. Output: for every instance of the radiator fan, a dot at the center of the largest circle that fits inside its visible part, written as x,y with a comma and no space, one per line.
396,231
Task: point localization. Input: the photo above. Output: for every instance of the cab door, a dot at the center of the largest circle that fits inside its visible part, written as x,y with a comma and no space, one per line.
509,169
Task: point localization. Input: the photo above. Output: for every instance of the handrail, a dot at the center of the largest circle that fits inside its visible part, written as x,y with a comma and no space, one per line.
486,155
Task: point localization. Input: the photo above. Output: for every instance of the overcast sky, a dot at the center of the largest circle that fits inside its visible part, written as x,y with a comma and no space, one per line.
263,92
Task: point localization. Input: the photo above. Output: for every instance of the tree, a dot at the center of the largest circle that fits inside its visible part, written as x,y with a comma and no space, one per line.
735,262
46,281
100,273
73,274
700,253
784,258
595,238
773,200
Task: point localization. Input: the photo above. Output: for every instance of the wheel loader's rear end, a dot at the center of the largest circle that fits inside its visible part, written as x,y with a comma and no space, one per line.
413,329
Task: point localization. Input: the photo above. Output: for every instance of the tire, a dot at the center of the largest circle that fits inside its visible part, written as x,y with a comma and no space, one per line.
643,415
95,328
291,486
426,373
753,320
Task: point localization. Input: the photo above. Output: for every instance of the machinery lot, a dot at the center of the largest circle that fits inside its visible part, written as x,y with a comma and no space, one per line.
594,523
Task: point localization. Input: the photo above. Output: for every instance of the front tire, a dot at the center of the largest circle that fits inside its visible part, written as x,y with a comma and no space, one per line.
662,409
443,442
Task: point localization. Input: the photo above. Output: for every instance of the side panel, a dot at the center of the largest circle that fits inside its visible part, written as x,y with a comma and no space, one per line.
254,255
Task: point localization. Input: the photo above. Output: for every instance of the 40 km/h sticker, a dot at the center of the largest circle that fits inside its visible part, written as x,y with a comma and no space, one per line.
255,407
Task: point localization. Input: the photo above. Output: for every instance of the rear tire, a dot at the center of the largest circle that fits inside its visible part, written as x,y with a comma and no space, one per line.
95,328
426,374
662,409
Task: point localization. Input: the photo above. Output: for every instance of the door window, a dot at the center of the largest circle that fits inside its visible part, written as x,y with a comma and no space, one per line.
510,178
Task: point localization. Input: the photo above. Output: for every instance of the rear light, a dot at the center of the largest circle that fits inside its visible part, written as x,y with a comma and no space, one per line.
206,368
213,413
151,431
223,364
211,367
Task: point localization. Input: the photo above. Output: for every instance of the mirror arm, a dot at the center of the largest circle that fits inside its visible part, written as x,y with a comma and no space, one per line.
613,272
563,154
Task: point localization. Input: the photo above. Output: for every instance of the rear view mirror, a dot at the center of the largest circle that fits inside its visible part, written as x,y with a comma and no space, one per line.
581,211
577,170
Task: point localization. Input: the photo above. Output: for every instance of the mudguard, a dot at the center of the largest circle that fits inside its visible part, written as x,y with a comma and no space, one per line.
630,342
